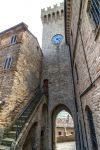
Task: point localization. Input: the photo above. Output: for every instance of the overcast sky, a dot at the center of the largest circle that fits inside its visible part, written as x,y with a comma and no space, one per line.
13,12
63,114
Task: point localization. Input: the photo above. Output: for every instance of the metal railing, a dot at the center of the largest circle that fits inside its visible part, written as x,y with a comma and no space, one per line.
26,113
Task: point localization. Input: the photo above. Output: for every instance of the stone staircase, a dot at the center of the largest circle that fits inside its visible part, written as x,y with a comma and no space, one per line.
12,135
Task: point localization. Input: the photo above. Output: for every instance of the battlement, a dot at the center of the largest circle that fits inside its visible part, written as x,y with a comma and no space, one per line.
51,14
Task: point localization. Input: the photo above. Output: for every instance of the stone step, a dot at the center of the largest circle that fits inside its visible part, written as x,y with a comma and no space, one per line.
4,147
26,113
11,134
7,141
20,122
14,127
24,116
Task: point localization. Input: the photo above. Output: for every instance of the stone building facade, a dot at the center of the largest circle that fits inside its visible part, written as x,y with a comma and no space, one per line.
20,72
65,130
83,38
57,69
68,70
65,134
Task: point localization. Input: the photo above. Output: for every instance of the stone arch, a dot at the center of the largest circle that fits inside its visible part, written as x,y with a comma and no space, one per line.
30,142
91,127
55,111
44,121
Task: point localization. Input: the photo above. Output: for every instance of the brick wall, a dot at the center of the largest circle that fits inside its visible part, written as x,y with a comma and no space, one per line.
87,60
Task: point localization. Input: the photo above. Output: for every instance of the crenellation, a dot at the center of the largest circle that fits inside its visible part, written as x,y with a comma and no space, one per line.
49,8
62,4
52,13
55,6
43,10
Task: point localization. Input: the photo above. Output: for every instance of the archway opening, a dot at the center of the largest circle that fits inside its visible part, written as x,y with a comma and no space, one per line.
43,135
91,128
30,142
63,132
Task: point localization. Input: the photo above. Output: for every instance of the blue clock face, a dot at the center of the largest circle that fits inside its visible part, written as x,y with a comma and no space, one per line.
57,39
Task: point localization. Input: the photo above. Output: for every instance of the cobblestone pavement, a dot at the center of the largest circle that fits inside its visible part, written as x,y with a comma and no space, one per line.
66,146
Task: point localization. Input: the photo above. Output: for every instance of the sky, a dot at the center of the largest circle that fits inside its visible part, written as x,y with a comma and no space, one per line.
63,114
13,12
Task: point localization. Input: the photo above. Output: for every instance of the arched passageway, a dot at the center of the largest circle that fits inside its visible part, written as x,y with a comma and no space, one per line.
63,132
30,142
37,138
44,138
92,139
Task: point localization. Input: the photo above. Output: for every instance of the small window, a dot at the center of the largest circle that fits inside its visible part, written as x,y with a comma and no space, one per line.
42,133
53,15
38,48
92,128
49,17
62,12
59,133
45,18
58,14
8,62
13,39
94,11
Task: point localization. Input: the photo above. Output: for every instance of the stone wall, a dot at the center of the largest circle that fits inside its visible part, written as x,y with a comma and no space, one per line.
64,131
86,58
56,59
18,83
57,69
7,75
27,74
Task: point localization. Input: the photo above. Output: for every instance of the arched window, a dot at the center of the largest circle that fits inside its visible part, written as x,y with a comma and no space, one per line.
62,12
53,15
57,14
92,128
45,18
49,17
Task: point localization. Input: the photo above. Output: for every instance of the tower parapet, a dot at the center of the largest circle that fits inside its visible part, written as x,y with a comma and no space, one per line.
52,13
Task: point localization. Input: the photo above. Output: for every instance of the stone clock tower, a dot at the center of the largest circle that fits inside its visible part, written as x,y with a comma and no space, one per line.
57,66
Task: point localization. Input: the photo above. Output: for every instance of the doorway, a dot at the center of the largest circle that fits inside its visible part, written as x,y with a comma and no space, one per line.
63,132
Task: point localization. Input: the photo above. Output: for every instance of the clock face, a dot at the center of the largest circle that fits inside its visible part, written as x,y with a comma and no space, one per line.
57,39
